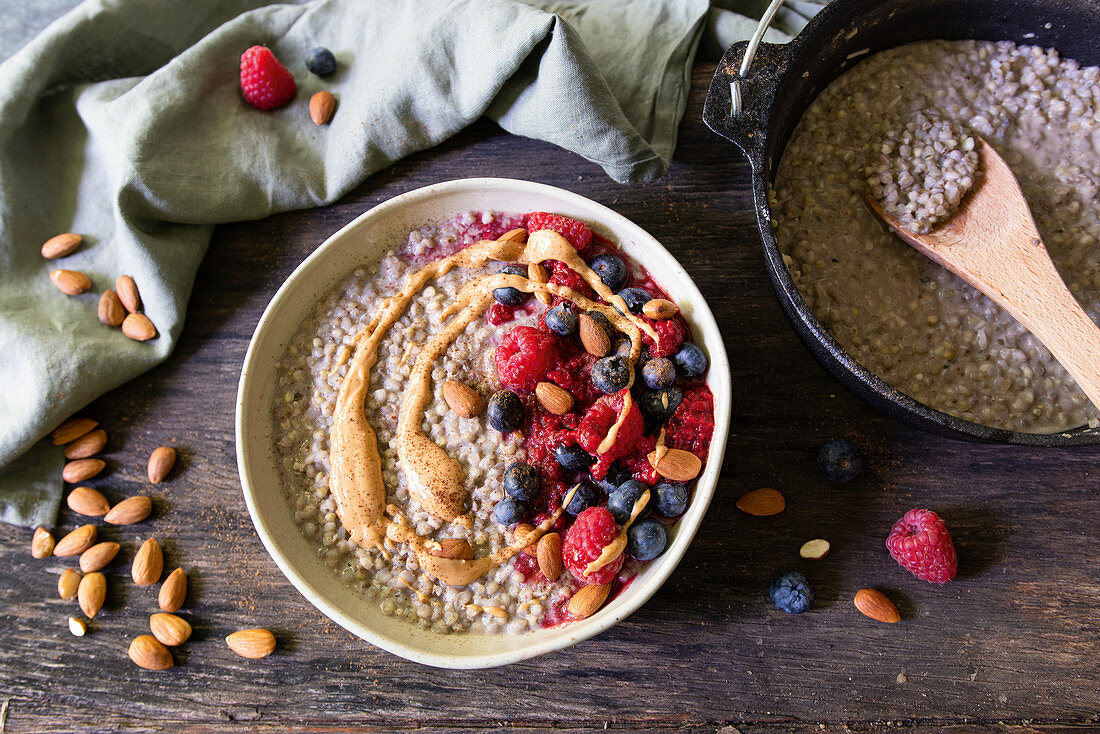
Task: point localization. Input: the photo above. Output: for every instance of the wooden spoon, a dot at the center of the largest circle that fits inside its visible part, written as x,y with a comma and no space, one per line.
991,242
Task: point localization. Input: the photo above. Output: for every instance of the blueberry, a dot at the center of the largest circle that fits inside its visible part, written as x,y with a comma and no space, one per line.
840,460
661,404
511,296
586,496
521,481
508,511
672,499
562,319
636,299
573,457
321,61
611,269
611,374
659,373
614,478
690,360
646,539
620,503
792,593
505,412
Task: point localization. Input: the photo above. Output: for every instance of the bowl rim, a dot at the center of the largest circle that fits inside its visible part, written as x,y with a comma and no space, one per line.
640,589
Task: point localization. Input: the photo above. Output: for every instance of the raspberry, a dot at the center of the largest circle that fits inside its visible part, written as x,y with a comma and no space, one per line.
579,234
265,82
921,543
584,542
597,422
670,335
562,274
690,428
525,357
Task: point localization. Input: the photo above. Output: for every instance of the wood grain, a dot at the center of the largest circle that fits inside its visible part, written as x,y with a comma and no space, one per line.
1010,645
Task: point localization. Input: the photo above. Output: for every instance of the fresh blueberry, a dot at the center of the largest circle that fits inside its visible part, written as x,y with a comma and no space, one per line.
792,593
321,61
611,269
509,511
636,299
659,373
620,503
562,319
661,404
511,296
611,374
573,457
505,412
521,481
690,360
586,496
840,460
616,475
646,539
672,499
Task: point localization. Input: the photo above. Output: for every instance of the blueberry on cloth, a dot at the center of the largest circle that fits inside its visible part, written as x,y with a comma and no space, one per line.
611,374
792,593
690,360
586,496
636,299
659,373
646,539
611,269
561,319
511,296
840,460
321,61
521,481
672,499
505,412
508,511
620,503
573,457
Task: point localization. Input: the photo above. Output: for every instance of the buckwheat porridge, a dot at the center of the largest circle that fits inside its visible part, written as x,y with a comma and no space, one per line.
530,511
910,321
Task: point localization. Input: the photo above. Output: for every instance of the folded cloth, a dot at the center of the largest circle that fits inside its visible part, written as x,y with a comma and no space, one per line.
124,122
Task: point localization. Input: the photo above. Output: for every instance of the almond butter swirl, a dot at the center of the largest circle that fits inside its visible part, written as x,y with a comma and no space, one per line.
435,479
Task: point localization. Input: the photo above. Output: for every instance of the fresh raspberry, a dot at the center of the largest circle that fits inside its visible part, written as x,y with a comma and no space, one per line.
562,274
265,82
670,335
921,543
579,234
584,542
690,428
525,357
597,422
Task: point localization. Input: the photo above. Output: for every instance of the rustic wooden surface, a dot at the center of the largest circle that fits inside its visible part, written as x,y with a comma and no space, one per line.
1010,645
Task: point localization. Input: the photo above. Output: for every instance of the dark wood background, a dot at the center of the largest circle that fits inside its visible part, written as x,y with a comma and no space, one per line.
1011,644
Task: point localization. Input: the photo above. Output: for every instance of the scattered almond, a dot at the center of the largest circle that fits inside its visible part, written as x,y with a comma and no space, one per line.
88,501
71,430
91,593
129,511
253,643
454,548
87,445
76,542
173,591
519,234
127,291
322,105
555,399
762,502
462,399
814,550
538,273
68,583
150,653
82,469
588,599
138,327
98,556
169,629
677,465
522,530
148,563
71,282
594,337
111,311
77,627
659,309
42,543
61,245
549,555
160,465
877,606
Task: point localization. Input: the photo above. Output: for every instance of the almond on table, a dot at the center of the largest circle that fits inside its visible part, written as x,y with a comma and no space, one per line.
129,511
160,464
87,501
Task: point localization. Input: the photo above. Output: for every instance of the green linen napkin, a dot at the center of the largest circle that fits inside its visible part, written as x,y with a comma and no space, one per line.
123,121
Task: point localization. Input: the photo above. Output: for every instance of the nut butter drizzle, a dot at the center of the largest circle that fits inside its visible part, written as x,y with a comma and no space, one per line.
435,479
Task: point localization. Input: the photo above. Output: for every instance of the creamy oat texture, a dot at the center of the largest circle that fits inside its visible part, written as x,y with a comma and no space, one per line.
918,326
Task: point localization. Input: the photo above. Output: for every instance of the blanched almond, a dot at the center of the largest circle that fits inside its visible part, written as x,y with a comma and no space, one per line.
87,501
677,465
98,556
462,399
138,327
91,593
71,430
322,106
76,542
42,543
169,629
61,245
877,606
71,282
130,510
454,548
77,627
762,502
68,583
253,643
87,445
150,653
148,563
110,310
128,293
814,550
588,600
160,465
556,400
659,309
549,556
173,591
82,469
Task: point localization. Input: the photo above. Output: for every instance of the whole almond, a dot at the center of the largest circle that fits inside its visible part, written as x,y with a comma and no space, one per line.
88,501
76,542
549,555
127,291
455,548
173,591
148,563
98,556
814,550
677,465
111,311
68,583
539,274
522,530
138,327
81,469
130,510
253,643
462,399
555,399
875,605
71,282
169,629
519,234
322,105
659,309
91,593
588,599
71,430
87,445
594,336
762,502
42,543
61,245
150,653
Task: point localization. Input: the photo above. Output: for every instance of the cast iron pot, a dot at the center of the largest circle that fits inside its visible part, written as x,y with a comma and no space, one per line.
784,79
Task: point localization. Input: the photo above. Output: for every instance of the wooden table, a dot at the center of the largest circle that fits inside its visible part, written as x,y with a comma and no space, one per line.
1011,644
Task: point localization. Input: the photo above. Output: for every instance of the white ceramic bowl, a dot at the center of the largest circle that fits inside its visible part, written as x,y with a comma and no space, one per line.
365,240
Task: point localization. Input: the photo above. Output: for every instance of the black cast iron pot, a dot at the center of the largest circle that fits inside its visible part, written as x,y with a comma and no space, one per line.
784,79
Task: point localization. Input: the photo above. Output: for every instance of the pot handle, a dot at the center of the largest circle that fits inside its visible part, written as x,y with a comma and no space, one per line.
739,103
